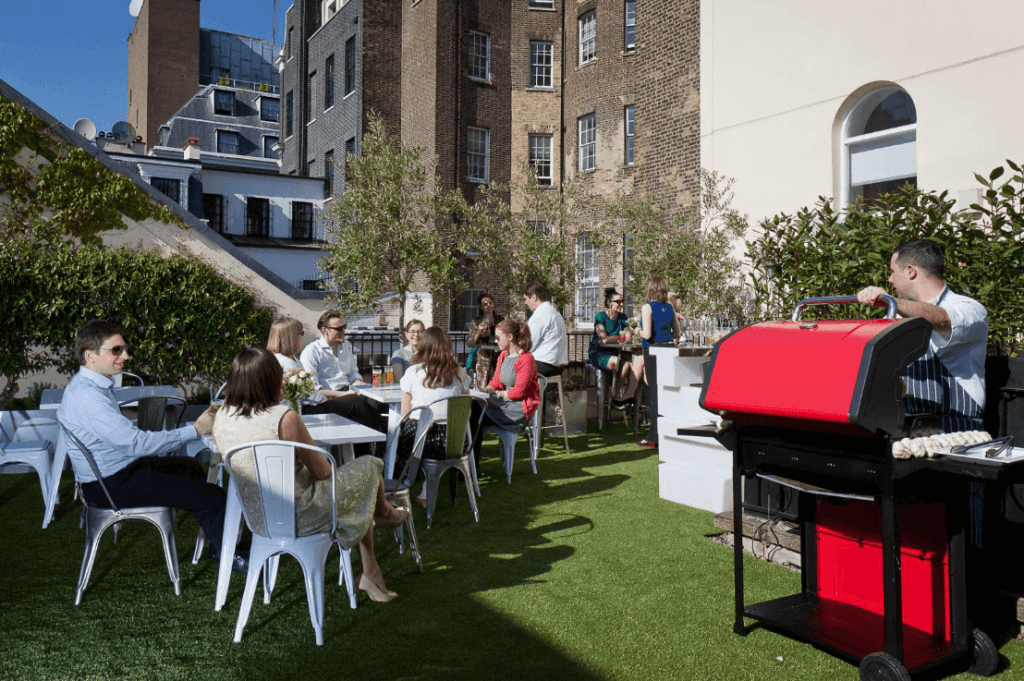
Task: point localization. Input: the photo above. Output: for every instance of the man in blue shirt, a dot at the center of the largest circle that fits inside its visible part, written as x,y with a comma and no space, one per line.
129,459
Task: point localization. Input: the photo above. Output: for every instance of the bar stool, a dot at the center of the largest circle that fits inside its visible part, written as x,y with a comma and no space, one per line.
556,379
604,401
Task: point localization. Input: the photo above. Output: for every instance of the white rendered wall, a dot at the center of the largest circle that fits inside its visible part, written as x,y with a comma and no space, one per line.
291,264
775,76
281,190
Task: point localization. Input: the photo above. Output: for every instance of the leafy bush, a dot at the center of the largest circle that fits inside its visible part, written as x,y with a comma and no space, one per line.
822,252
183,321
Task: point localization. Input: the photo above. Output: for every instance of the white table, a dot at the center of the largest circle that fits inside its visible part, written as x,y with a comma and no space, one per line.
51,397
326,430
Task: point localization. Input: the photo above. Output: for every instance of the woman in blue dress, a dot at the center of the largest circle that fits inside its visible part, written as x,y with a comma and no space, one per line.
658,326
612,326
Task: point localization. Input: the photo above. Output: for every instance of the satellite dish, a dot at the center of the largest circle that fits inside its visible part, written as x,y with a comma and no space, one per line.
123,131
134,6
86,128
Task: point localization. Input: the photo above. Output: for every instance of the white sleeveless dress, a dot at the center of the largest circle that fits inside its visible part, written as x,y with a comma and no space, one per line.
356,482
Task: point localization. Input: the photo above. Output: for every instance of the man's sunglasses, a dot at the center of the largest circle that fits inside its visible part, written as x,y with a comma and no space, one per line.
116,350
337,328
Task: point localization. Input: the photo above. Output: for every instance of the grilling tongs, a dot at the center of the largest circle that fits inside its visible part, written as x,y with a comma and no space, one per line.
996,447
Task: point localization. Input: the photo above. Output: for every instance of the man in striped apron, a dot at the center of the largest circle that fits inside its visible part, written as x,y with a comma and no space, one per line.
948,380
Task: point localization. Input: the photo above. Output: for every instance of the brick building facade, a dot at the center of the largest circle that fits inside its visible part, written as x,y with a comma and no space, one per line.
602,91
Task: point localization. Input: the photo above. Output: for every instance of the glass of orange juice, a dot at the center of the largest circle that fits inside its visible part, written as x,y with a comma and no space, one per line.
389,376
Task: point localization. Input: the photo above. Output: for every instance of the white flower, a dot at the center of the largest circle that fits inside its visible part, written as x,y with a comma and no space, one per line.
293,379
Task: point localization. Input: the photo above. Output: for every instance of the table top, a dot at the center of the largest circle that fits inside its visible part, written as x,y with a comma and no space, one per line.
51,397
390,394
328,429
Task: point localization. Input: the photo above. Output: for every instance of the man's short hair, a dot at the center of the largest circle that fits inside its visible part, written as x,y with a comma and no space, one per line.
92,335
535,288
326,317
924,254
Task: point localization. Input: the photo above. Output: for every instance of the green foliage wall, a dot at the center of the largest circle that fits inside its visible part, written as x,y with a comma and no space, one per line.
182,319
822,252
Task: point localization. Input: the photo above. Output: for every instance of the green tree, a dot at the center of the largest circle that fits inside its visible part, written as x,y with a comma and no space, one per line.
537,241
819,251
691,247
396,222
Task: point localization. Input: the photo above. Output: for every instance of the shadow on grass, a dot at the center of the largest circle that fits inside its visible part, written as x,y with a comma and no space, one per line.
130,624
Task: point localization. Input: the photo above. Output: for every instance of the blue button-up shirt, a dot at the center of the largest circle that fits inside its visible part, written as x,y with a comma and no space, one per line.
89,410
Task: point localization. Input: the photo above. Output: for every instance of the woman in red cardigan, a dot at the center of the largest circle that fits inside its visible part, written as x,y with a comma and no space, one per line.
514,391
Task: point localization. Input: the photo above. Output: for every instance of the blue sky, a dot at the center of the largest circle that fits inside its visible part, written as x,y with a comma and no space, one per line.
71,57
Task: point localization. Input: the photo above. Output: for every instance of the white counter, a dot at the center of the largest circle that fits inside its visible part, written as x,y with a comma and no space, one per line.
694,471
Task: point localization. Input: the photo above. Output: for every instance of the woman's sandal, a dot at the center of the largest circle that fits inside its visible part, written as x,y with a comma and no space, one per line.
376,592
398,516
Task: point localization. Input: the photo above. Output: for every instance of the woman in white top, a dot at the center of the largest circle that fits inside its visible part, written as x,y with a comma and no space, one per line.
435,374
285,342
401,358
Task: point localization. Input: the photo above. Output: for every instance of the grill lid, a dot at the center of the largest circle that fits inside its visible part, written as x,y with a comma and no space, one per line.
840,376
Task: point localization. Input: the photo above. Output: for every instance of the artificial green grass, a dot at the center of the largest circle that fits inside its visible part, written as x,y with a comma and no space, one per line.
580,572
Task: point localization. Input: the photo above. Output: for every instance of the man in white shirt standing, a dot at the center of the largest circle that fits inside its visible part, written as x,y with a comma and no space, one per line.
547,331
332,361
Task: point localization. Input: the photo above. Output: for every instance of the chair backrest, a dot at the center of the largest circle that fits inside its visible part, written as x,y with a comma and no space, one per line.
459,409
125,374
6,427
35,424
217,396
72,441
270,512
152,411
412,465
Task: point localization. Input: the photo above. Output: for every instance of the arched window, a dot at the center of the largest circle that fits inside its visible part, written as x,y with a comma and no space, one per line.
879,145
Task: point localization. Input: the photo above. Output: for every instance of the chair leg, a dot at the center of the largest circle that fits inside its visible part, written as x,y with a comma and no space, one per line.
197,552
599,389
432,483
345,574
167,537
565,421
92,545
257,558
414,544
314,577
464,467
476,479
270,576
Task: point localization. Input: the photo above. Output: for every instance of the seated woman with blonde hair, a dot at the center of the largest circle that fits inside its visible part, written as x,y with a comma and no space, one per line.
253,411
285,342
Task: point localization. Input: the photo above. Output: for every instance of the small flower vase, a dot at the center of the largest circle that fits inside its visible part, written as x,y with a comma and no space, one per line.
296,406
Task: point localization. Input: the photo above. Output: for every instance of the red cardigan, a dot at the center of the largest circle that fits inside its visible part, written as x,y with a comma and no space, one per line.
526,389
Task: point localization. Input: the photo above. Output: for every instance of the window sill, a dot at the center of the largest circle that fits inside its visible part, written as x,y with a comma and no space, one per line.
586,64
628,53
475,180
347,95
479,81
542,9
541,88
328,108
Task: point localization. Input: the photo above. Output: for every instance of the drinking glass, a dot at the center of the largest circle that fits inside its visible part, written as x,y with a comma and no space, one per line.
376,377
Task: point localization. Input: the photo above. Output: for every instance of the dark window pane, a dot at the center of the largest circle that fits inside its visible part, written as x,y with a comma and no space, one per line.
288,111
171,188
213,211
894,111
268,109
268,147
223,103
302,221
329,82
350,65
257,216
227,142
329,174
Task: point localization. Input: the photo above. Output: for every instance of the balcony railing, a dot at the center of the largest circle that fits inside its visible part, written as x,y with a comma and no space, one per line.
209,79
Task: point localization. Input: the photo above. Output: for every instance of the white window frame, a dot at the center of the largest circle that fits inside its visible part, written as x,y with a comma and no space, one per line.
471,305
586,136
903,135
479,56
541,4
539,70
588,37
588,289
477,158
629,141
628,22
540,155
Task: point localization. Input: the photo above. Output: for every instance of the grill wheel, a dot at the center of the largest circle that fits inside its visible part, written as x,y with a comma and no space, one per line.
882,667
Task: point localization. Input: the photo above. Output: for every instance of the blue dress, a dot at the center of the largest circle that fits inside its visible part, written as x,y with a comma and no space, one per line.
598,356
662,315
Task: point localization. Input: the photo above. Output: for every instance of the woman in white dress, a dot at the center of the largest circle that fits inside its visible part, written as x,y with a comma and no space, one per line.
434,374
253,411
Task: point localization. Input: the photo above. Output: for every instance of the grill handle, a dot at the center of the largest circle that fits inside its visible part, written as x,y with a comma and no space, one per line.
828,300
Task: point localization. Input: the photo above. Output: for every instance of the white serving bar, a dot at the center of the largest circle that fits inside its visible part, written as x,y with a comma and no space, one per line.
695,471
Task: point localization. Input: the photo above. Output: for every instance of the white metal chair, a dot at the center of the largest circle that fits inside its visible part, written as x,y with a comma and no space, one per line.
398,490
458,454
27,441
272,522
97,520
507,437
125,374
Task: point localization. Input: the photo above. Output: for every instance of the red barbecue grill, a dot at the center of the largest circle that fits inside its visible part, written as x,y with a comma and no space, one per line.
816,405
